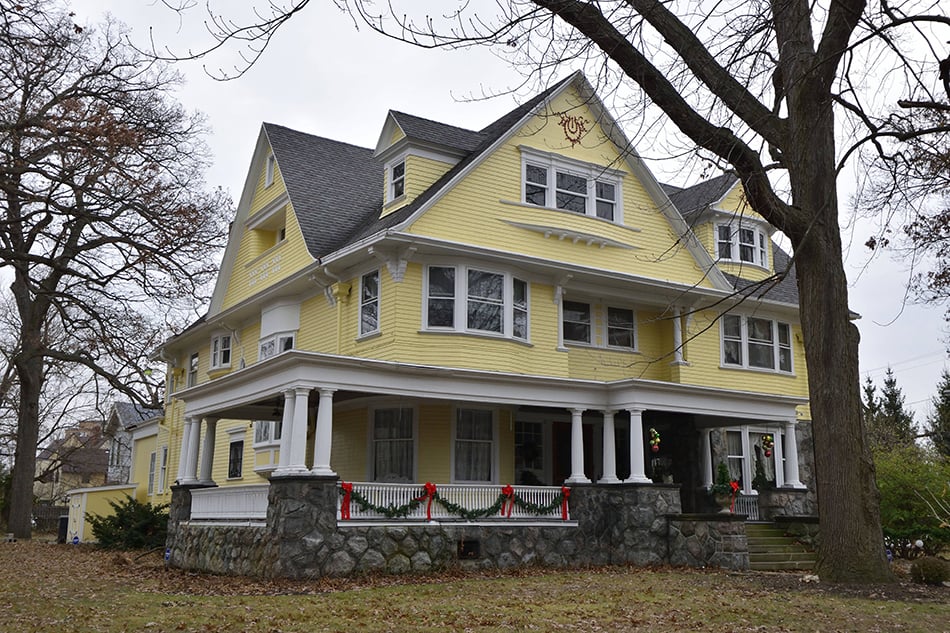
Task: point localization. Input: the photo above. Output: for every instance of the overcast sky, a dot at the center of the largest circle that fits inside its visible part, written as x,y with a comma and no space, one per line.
323,76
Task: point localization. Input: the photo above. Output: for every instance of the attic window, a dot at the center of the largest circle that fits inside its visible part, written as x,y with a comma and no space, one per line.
269,171
559,182
397,179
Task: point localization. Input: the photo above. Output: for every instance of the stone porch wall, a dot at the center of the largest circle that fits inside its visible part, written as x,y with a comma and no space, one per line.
615,524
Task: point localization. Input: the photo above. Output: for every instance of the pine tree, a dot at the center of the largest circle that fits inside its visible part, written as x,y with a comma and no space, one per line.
888,423
939,419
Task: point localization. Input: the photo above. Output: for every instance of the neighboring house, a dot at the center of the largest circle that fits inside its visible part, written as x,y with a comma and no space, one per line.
78,459
124,418
524,304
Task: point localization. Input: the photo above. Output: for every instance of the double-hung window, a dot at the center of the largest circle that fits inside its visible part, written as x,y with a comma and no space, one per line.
235,459
393,445
474,300
397,180
578,321
758,343
152,457
558,182
474,445
742,244
620,328
192,370
369,303
221,351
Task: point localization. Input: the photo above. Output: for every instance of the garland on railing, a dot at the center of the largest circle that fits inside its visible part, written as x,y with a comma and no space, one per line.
505,502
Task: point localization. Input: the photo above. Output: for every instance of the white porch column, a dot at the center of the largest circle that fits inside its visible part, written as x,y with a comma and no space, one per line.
183,454
286,425
637,463
791,457
778,459
677,338
610,450
577,448
705,452
298,432
747,488
191,457
207,452
323,438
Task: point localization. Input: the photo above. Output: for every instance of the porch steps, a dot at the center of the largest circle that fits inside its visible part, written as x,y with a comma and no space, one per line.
771,550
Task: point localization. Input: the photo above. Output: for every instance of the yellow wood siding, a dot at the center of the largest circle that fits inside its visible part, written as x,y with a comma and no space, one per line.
349,456
421,173
259,261
435,437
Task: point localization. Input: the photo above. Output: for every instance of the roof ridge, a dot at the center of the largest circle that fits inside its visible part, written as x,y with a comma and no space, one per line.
266,125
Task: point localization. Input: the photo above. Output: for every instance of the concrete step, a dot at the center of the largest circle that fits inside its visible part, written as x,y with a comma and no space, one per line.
771,550
782,566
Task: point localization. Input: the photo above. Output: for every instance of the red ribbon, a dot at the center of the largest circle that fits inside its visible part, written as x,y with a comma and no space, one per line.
509,494
430,492
735,489
565,495
345,506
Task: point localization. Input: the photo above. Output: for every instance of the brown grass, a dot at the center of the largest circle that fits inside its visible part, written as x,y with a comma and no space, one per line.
68,588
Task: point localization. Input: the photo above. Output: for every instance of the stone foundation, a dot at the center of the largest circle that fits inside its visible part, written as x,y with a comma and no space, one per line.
636,524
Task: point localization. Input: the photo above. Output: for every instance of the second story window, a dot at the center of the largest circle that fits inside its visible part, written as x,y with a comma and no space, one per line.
470,299
192,370
742,244
576,322
221,351
275,344
756,343
369,303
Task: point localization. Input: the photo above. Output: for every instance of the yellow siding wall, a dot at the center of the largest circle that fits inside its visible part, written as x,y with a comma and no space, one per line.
258,262
349,455
435,441
421,173
141,449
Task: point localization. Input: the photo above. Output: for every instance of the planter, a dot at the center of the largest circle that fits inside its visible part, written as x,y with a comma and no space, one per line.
724,501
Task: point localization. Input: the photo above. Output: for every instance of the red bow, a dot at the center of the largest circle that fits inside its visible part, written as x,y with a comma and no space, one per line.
565,495
735,489
430,493
509,494
345,506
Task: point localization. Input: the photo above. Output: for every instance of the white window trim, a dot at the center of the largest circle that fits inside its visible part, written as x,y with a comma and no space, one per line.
269,443
276,338
761,238
390,183
162,469
371,440
494,451
152,459
460,299
236,434
191,372
744,343
599,336
363,303
217,351
269,170
590,171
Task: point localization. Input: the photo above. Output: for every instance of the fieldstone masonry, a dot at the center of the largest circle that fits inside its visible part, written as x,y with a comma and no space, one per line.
636,524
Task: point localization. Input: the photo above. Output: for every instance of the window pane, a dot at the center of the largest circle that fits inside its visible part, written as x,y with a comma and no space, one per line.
369,318
785,359
571,202
399,171
370,286
724,242
520,309
484,285
441,281
760,330
484,316
441,308
606,191
732,326
605,210
570,182
441,313
536,175
235,459
576,317
620,327
535,195
783,334
732,352
761,356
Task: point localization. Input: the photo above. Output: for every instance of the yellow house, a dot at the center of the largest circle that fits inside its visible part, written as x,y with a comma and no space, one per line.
523,305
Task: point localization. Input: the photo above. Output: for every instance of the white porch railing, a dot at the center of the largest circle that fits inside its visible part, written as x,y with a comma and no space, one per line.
468,496
244,503
748,505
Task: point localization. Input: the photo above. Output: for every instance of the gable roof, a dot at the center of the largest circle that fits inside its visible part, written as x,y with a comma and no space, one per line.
437,133
129,414
696,199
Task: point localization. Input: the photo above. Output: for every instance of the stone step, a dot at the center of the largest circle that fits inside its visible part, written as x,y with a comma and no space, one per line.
781,566
786,548
771,550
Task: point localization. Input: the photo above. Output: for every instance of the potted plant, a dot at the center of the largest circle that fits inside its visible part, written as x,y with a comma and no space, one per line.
724,489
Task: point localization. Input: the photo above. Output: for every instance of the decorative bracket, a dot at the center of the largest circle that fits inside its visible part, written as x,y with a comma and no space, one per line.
395,260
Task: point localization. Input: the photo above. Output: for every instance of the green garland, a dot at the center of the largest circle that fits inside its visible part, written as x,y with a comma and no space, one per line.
394,512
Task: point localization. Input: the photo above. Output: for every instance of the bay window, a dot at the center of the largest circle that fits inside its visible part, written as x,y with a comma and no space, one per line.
742,244
275,344
753,342
474,300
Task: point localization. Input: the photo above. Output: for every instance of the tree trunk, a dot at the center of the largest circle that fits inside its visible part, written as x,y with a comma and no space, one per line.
30,373
852,545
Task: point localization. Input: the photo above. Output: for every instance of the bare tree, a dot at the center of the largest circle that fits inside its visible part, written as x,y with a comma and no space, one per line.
104,218
765,88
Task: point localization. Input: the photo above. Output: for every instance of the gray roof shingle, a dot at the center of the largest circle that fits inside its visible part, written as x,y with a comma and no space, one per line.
129,413
437,133
784,290
695,199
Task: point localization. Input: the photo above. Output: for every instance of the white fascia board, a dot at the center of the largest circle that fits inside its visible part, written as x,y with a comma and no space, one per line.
145,430
390,125
314,370
112,488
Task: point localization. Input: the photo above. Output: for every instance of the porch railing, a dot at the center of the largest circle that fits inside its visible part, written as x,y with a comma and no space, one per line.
238,503
468,496
747,505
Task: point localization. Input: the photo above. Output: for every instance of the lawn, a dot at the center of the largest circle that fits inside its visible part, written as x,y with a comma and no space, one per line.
67,588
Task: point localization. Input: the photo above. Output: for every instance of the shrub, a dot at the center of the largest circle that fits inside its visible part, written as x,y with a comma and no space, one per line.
133,525
930,571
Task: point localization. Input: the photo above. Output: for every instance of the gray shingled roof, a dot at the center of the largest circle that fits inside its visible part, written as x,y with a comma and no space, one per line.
695,199
335,187
785,291
437,133
129,413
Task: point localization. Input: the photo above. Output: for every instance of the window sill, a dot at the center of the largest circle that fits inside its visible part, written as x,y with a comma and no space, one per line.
486,335
394,201
265,446
368,336
615,222
759,370
217,372
741,264
568,345
241,478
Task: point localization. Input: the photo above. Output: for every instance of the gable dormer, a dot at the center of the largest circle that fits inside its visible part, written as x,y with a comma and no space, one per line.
416,152
738,238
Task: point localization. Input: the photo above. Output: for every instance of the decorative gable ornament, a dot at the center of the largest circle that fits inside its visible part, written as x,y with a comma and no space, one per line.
574,127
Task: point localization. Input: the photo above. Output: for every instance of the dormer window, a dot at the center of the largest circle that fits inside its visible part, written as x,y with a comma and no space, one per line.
397,180
742,244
